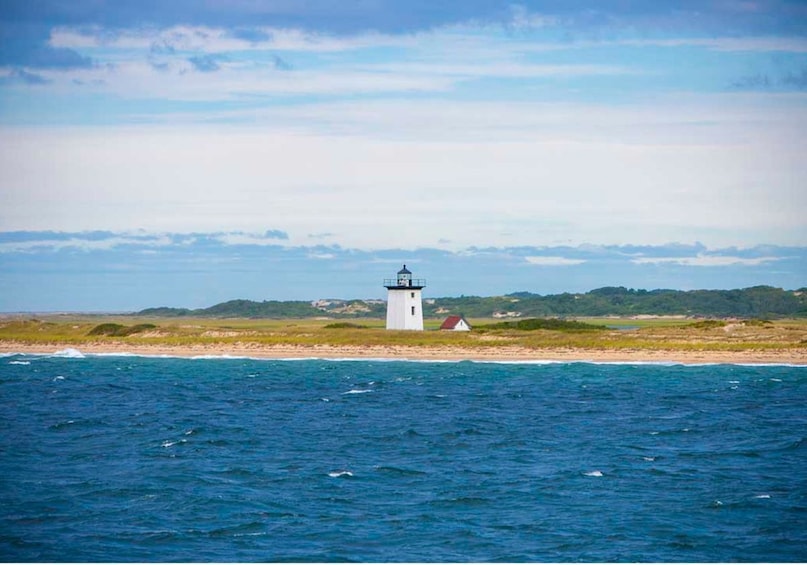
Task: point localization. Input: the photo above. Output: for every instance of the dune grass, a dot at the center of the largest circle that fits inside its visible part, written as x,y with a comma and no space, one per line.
682,336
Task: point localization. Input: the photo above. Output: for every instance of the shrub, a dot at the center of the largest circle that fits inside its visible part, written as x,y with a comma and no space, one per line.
755,322
543,324
708,324
137,329
119,330
106,329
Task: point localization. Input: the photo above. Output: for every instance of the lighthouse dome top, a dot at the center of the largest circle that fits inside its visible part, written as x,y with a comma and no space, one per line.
404,281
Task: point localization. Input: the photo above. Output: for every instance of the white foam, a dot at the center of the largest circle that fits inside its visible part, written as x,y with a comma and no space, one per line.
19,362
762,496
357,391
173,443
58,378
649,458
593,474
69,353
222,356
337,474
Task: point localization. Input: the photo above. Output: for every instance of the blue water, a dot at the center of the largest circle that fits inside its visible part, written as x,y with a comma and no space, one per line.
144,459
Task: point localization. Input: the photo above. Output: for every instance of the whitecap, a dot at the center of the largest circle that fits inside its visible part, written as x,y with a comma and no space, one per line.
19,362
420,361
58,378
357,391
649,458
762,496
337,474
173,443
69,353
593,474
222,356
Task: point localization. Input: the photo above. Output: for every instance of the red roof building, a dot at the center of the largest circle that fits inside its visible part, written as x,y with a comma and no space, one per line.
455,323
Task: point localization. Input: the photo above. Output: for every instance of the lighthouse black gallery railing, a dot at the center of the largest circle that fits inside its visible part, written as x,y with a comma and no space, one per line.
406,284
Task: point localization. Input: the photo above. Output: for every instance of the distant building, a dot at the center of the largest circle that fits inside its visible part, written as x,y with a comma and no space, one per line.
456,323
404,303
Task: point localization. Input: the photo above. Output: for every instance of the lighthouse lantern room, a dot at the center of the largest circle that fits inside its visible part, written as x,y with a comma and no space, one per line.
404,303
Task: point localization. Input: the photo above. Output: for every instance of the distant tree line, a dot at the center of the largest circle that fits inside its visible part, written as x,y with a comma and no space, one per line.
754,302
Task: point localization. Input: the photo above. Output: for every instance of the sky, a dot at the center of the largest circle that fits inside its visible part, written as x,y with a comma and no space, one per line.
184,153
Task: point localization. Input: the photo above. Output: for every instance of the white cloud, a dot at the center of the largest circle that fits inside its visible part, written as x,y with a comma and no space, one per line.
180,80
496,70
553,261
383,168
241,238
408,173
217,40
723,44
84,244
752,44
435,61
703,260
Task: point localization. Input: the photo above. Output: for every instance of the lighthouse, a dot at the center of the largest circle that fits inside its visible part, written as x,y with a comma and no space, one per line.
404,308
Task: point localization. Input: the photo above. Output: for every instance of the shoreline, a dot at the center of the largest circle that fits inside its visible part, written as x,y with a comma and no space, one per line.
422,353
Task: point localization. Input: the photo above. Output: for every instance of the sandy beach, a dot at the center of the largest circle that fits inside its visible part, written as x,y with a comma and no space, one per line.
501,353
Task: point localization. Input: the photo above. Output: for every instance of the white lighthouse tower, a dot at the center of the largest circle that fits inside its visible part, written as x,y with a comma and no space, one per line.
404,308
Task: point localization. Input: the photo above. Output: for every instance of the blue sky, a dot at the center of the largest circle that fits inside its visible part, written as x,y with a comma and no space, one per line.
183,153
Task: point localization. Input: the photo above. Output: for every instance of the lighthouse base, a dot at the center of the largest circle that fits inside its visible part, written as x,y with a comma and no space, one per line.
404,309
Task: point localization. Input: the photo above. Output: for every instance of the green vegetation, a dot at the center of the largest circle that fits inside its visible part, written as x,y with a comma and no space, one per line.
242,309
758,323
533,324
755,302
708,324
119,330
75,330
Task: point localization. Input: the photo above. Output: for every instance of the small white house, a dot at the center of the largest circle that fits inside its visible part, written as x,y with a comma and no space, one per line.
456,324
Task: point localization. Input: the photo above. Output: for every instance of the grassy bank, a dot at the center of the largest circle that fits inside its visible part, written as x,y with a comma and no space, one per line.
650,334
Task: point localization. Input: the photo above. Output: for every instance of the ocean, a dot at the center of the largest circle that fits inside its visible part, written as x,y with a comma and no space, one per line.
126,458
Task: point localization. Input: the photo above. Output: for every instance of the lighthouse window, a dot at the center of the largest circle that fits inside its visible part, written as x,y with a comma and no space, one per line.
413,310
413,295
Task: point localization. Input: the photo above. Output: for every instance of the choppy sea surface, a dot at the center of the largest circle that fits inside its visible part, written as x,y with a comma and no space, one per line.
124,458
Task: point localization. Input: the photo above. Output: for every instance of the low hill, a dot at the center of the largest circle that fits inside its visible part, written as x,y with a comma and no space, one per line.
754,302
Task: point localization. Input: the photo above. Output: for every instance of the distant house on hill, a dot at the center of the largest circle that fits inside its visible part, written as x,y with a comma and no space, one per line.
455,323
